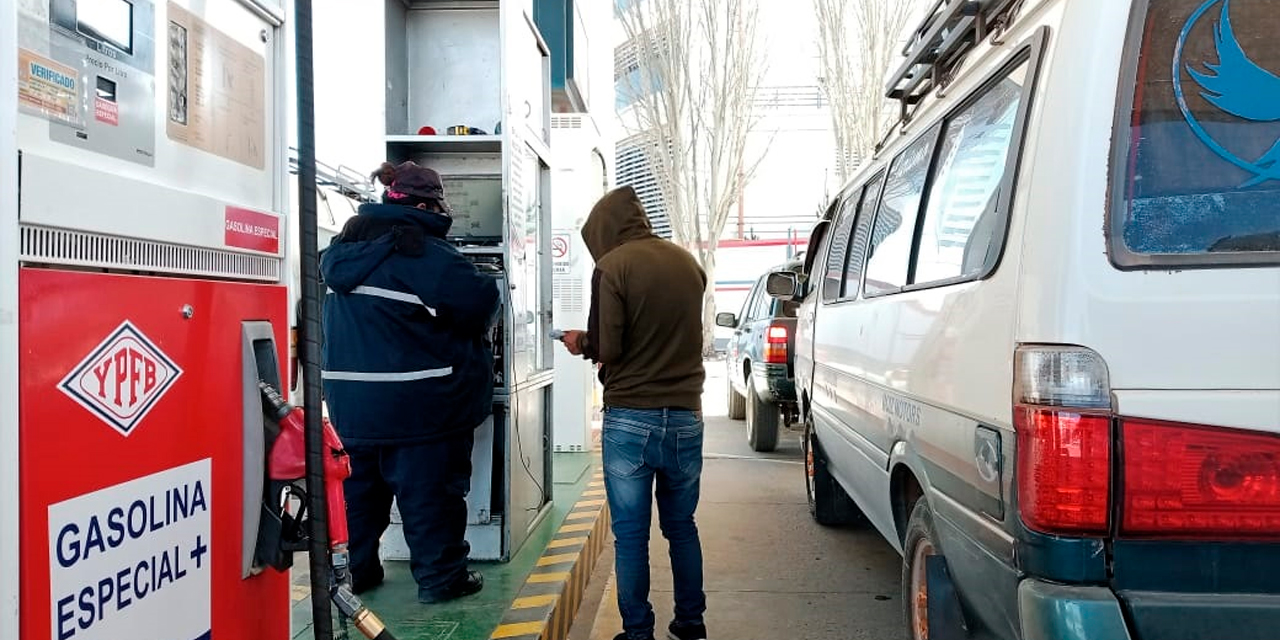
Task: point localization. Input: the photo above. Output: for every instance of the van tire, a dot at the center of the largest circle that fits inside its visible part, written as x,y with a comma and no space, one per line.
828,503
763,420
920,542
737,403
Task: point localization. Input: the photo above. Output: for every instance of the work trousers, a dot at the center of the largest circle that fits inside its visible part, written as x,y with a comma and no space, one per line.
429,482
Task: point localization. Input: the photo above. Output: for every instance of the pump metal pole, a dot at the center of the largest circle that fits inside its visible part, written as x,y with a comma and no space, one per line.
309,323
9,478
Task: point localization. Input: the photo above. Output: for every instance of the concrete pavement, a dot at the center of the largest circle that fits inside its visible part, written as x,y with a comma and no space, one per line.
771,572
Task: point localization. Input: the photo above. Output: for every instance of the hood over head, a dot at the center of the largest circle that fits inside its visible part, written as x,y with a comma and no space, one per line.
617,218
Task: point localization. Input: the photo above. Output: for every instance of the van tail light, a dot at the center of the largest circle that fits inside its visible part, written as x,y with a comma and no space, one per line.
1062,415
775,345
1190,481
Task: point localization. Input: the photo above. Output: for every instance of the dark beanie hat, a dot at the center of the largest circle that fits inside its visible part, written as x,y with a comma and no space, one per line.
417,183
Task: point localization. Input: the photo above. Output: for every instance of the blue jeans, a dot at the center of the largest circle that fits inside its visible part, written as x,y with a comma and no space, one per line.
641,446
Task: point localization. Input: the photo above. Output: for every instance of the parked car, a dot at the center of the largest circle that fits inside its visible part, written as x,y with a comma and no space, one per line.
1039,343
759,363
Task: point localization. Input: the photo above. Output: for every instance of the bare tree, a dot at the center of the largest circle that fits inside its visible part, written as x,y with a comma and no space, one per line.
858,42
692,75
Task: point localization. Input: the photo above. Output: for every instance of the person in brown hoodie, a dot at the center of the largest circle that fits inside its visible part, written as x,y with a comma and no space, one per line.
645,331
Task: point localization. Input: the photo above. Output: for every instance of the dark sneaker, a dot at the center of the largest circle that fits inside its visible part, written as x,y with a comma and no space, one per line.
469,584
624,636
683,631
361,583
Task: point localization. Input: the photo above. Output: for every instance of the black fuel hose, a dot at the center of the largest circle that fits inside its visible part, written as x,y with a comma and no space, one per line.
309,325
309,342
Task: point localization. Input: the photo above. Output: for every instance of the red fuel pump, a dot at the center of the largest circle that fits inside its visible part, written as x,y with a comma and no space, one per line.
146,278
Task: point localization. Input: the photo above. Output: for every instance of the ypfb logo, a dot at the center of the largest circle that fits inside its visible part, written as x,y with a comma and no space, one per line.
1234,84
121,380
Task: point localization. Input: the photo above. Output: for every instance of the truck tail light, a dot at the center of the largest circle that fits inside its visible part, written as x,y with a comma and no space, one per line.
1191,481
775,345
1063,421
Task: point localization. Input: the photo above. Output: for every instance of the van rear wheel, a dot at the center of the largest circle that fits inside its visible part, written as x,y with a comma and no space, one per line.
828,503
919,545
763,420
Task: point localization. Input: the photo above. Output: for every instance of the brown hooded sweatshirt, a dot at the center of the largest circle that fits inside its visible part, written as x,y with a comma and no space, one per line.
645,325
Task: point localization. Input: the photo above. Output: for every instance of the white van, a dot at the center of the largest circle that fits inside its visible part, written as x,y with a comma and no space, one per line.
1039,344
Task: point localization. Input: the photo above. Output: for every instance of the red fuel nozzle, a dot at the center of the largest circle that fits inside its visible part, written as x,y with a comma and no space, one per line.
288,458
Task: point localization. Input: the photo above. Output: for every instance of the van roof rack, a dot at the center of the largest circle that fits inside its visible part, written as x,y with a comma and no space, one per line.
951,29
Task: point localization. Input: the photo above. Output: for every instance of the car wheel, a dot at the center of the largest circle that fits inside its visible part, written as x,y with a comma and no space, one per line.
828,503
763,419
737,403
921,542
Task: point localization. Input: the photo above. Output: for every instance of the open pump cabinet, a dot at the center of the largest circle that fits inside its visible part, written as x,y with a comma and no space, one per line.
142,298
482,68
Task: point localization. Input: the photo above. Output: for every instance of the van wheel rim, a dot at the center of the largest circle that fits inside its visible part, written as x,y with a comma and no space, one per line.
810,467
920,590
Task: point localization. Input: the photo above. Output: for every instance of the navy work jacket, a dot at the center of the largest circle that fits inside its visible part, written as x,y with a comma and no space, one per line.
406,355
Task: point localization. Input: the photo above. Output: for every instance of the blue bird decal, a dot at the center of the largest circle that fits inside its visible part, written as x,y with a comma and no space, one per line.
1238,86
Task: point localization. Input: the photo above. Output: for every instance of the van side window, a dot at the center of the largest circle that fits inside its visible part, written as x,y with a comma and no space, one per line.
962,230
858,246
837,246
894,231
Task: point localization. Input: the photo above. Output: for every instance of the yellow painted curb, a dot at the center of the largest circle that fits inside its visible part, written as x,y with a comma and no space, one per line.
545,561
552,598
530,602
517,629
565,542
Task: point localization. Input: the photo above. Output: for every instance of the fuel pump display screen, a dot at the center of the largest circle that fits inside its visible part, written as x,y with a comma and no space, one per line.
476,203
92,73
107,20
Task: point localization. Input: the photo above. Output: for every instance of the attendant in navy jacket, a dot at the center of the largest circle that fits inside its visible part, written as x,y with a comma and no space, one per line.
408,376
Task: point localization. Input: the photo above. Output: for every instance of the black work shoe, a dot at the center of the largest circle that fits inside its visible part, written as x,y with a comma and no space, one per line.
363,583
624,636
472,582
682,631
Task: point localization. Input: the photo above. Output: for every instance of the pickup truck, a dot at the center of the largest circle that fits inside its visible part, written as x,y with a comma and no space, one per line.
759,363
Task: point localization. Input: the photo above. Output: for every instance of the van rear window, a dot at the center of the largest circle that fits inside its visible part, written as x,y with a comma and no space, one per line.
1198,180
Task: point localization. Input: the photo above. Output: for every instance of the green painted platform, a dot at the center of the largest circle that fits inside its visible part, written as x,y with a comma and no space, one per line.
471,618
